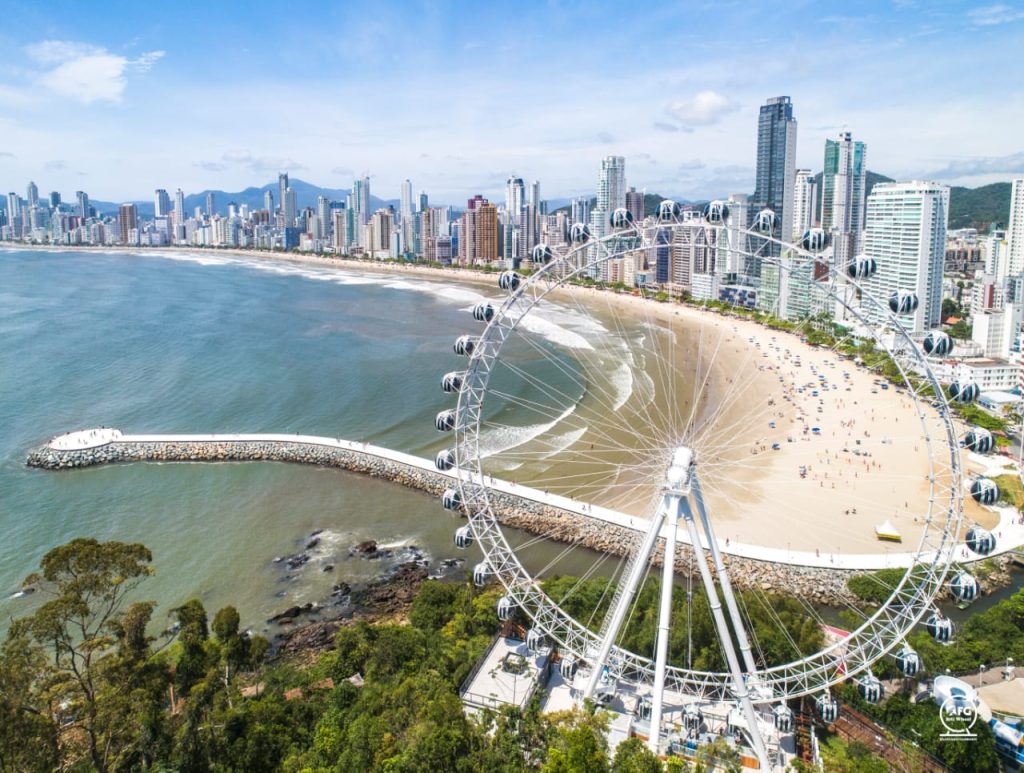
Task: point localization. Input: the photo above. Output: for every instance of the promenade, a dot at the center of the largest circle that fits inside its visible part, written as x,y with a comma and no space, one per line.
1009,533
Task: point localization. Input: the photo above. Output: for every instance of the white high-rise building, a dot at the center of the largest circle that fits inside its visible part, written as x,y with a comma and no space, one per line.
323,216
611,195
1015,230
805,195
179,207
730,259
290,207
533,194
515,198
905,232
408,222
611,184
405,204
995,253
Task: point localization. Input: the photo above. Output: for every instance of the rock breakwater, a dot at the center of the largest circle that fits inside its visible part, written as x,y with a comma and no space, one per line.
823,586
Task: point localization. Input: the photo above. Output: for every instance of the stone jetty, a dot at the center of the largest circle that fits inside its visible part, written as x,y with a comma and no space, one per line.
816,584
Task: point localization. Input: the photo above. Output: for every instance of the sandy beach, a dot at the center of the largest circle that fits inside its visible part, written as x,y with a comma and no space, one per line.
848,454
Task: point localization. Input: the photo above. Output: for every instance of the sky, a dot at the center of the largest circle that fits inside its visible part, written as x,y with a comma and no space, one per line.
119,98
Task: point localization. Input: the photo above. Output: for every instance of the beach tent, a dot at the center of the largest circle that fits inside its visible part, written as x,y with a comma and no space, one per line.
888,532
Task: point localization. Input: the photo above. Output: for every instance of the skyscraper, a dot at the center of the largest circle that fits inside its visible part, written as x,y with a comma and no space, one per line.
282,186
533,194
268,202
805,197
1015,229
581,209
905,232
289,207
13,206
128,220
179,207
210,204
611,184
323,216
843,190
515,198
54,199
611,194
776,164
161,203
478,238
635,203
405,202
32,195
408,222
361,199
83,204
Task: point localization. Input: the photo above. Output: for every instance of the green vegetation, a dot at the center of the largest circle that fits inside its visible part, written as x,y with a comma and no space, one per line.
961,329
1010,490
974,414
979,207
950,308
920,721
875,587
83,686
587,601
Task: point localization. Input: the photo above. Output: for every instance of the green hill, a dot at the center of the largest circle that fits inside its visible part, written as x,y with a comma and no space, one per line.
979,207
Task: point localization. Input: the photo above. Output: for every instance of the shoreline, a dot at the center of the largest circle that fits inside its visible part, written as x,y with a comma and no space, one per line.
537,512
790,513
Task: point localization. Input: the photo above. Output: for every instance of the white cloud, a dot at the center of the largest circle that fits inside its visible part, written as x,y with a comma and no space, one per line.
991,15
246,160
85,72
981,165
703,109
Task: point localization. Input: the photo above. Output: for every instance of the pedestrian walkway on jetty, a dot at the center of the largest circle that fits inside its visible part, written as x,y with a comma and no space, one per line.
89,447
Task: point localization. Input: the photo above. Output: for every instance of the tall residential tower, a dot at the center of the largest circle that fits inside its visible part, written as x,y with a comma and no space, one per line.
843,191
776,164
905,232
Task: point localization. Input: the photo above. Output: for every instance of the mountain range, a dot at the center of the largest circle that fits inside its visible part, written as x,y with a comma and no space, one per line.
968,207
306,195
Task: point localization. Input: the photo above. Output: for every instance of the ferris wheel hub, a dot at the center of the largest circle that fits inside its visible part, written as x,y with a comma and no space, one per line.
678,477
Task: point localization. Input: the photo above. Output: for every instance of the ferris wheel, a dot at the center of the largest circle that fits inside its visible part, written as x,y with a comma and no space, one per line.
680,426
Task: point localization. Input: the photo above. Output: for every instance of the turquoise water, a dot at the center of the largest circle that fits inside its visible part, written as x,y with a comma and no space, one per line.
151,343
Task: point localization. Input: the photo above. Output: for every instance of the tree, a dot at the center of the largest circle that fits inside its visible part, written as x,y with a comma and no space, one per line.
193,657
28,728
87,583
633,756
579,743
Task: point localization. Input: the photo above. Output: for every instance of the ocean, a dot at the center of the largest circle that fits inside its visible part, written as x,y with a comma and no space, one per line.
201,342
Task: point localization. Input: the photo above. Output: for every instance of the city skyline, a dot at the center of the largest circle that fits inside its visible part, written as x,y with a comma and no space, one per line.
96,101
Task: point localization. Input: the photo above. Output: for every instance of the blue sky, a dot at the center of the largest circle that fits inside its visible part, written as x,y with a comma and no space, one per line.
119,98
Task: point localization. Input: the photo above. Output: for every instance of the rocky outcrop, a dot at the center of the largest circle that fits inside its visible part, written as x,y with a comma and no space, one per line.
824,586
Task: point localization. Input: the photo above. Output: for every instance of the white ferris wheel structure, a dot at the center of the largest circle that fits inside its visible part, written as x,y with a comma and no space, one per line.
677,466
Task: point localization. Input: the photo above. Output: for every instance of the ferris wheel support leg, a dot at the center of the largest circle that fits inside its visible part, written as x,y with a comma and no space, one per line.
632,580
739,686
723,580
671,506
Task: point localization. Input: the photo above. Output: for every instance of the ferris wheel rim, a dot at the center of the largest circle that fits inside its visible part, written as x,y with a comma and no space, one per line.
807,675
